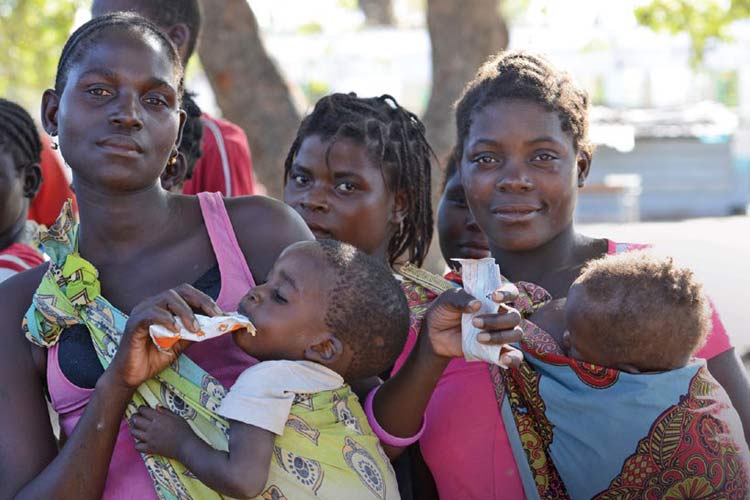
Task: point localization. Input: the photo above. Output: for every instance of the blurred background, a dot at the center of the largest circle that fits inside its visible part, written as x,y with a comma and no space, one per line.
669,81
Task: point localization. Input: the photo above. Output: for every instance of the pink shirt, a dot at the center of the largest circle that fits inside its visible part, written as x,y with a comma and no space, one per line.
465,443
127,477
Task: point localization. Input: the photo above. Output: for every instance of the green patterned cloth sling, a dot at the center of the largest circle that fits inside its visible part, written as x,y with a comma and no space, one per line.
70,294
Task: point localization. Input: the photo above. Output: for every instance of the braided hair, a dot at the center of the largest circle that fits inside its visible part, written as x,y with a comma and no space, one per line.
192,134
520,75
395,139
18,134
88,34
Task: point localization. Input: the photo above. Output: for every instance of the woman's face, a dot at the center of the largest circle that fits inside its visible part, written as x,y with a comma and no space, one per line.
343,196
12,200
521,174
460,237
118,118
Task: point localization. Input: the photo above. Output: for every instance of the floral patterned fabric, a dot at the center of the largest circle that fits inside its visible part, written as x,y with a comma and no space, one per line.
593,432
329,451
70,294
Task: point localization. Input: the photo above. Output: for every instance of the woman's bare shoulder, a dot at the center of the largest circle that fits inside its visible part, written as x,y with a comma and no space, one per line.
264,228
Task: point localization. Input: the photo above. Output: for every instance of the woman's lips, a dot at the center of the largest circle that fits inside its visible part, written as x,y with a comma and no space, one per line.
320,232
516,213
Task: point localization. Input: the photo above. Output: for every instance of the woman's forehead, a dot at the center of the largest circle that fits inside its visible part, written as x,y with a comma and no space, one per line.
126,53
520,118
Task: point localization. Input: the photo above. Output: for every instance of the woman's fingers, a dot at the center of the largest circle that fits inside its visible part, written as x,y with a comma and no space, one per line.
198,300
506,293
459,300
501,337
174,303
504,320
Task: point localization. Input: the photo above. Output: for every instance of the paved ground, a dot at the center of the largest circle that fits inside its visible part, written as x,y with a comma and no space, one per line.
718,250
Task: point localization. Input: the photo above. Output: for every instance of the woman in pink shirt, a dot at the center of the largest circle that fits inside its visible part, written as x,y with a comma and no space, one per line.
523,153
115,110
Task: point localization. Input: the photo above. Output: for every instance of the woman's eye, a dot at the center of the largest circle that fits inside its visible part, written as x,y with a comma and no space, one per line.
99,92
300,179
278,297
484,159
544,157
155,101
346,187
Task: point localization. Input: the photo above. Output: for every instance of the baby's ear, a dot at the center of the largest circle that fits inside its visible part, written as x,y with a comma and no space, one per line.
326,352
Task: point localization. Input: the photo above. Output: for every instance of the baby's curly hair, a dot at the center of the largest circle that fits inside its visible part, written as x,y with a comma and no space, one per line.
643,310
366,308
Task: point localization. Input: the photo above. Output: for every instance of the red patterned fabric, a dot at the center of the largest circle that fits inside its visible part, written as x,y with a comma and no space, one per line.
694,449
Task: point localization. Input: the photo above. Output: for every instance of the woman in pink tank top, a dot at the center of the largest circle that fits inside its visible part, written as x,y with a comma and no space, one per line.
523,154
117,128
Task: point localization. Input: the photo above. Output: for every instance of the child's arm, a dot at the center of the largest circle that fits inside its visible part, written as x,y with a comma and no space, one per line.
242,472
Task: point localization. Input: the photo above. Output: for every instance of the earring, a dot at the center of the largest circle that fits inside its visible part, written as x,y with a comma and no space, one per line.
173,158
55,146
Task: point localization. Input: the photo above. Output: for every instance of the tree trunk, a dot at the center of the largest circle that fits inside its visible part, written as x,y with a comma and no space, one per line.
377,12
463,35
249,89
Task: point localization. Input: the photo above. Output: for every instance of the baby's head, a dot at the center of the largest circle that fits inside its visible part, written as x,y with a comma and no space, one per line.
636,312
326,301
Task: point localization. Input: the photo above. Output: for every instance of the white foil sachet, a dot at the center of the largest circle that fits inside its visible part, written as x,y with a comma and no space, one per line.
481,277
210,327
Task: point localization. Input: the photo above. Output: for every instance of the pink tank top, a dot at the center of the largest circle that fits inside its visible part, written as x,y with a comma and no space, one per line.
127,477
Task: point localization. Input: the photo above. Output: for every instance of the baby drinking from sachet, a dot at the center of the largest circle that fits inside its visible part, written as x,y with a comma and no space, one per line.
328,314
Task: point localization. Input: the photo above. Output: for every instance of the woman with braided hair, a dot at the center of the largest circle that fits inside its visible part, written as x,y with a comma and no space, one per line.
20,178
359,172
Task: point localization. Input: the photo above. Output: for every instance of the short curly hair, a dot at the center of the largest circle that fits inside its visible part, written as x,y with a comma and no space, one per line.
525,76
367,309
643,310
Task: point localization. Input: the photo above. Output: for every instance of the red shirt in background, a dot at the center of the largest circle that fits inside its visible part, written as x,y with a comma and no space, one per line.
225,166
46,206
18,258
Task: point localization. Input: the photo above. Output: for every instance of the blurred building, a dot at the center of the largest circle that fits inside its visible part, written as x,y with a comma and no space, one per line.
664,163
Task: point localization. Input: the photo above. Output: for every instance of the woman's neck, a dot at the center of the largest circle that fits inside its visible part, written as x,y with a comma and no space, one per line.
116,226
547,265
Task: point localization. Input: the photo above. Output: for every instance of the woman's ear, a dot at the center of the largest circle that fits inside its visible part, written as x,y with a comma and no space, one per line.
32,180
183,119
173,175
584,166
326,352
50,105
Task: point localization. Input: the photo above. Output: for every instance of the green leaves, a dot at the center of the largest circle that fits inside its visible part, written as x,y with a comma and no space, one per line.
702,20
32,35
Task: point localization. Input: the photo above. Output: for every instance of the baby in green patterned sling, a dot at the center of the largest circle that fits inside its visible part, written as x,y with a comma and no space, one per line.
327,314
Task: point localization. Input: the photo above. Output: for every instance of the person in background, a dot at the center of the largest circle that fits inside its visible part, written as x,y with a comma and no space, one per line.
55,188
20,177
181,169
458,232
226,166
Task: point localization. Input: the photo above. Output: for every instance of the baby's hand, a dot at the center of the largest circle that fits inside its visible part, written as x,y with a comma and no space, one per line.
160,432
